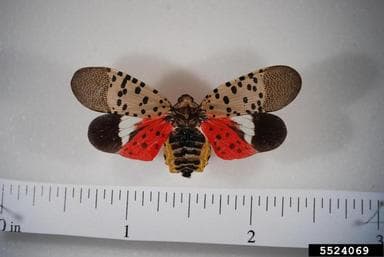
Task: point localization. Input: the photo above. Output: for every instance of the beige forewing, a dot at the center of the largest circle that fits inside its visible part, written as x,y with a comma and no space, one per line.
107,90
264,90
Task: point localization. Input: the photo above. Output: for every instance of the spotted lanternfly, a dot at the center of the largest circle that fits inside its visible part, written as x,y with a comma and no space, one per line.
233,119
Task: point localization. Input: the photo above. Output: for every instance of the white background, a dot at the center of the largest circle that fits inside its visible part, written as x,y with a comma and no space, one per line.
335,126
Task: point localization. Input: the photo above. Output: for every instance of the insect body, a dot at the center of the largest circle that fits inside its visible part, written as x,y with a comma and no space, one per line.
233,119
187,149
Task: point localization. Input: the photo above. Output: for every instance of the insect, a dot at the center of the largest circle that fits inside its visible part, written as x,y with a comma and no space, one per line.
233,119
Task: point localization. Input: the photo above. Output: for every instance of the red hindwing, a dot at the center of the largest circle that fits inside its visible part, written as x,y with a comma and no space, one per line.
146,140
226,139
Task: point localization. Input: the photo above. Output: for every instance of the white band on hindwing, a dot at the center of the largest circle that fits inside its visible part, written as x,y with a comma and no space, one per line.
246,125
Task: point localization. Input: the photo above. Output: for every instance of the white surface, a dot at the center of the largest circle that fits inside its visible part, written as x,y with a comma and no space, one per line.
335,138
276,218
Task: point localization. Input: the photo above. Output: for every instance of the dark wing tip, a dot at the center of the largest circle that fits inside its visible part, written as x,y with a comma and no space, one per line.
270,132
103,133
282,85
90,86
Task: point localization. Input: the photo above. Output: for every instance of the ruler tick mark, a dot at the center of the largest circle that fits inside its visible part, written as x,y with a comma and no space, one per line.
346,207
282,206
150,196
306,202
10,189
220,204
362,207
135,196
322,202
81,195
189,205
166,197
205,201
18,192
227,199
197,198
65,199
354,203
243,200
314,210
57,191
96,195
290,201
73,192
111,196
173,199
370,204
89,193
181,197
213,198
142,198
126,205
266,204
378,214
104,193
50,193
274,201
298,204
338,203
235,202
26,190
250,211
34,195
330,205
119,194
158,201
259,200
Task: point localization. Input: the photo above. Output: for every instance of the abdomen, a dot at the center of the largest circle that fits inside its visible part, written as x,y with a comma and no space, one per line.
186,150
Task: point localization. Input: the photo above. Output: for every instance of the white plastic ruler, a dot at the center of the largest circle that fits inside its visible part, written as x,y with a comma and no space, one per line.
286,218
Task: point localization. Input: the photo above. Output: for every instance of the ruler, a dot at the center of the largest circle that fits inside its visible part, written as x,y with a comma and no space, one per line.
278,218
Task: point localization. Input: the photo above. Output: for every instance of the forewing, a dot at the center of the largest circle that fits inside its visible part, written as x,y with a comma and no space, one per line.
264,90
242,136
107,90
131,137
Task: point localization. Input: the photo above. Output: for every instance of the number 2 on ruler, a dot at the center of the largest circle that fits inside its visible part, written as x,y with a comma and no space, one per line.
251,234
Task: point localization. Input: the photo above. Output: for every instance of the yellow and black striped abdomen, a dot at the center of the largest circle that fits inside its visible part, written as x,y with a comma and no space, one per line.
186,150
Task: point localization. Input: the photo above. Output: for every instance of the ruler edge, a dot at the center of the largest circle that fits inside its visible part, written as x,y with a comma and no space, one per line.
192,189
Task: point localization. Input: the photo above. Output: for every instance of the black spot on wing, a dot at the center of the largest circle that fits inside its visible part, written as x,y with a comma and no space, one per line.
124,82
